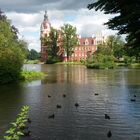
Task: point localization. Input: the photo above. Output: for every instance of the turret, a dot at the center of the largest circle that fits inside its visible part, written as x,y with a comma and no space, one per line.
45,26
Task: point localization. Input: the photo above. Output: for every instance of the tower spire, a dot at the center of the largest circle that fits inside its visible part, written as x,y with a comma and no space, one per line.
46,16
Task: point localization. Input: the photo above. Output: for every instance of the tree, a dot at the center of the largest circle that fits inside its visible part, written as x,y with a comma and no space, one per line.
23,45
33,55
51,42
117,45
126,21
11,51
69,38
106,53
114,45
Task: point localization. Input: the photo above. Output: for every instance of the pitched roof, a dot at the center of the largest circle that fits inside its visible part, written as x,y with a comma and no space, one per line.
86,41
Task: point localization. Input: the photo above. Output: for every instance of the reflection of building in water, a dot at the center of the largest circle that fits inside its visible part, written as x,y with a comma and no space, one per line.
86,45
66,74
76,74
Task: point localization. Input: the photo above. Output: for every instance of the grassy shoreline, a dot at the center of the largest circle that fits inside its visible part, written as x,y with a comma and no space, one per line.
70,63
31,75
118,65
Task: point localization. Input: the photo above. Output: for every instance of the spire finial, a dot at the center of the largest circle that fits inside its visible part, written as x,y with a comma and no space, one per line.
45,15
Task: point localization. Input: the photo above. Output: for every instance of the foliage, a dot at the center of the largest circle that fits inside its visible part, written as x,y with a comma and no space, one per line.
33,55
23,45
100,61
114,45
10,64
16,130
51,42
105,55
126,20
70,63
12,51
69,39
52,60
31,61
129,60
104,49
31,75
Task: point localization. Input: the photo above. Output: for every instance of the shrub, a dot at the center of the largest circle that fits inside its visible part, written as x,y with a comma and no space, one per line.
12,51
52,60
129,60
11,60
31,75
100,61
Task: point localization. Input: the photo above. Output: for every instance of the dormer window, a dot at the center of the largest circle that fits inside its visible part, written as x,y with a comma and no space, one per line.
86,42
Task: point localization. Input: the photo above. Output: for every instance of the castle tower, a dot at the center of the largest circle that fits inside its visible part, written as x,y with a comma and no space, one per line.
44,31
45,26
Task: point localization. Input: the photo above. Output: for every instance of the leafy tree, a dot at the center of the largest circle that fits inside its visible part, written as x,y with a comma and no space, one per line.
100,61
11,51
69,38
23,45
33,55
51,42
126,20
106,53
117,46
114,45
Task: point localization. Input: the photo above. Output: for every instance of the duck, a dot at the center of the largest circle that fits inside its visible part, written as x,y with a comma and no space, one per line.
51,116
96,94
49,96
64,95
107,116
133,100
109,134
27,133
28,120
76,104
58,106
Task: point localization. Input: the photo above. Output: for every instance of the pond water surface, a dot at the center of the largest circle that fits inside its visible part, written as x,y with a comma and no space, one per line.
86,122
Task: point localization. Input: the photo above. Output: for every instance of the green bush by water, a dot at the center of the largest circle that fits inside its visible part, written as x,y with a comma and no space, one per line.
100,61
31,75
31,62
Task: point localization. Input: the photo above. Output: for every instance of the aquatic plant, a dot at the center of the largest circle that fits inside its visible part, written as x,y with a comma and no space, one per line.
17,128
31,75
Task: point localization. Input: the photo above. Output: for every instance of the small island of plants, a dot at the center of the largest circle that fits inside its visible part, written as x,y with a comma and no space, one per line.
31,75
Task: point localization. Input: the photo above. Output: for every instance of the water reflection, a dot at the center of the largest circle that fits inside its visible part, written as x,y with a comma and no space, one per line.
65,73
115,89
11,100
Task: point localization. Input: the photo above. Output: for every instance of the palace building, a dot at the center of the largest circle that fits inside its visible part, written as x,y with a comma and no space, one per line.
86,45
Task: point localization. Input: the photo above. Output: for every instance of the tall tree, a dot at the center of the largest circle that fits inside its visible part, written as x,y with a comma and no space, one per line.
33,55
69,38
117,45
51,42
11,51
114,45
126,20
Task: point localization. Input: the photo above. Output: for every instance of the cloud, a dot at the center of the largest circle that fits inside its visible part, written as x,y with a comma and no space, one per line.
28,15
26,6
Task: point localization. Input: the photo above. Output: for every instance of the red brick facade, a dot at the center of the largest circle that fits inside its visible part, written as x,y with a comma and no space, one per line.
87,45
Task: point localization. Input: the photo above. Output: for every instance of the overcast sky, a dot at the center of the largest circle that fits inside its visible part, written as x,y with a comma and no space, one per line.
27,16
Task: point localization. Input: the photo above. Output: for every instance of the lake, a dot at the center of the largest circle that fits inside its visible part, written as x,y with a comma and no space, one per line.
115,89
